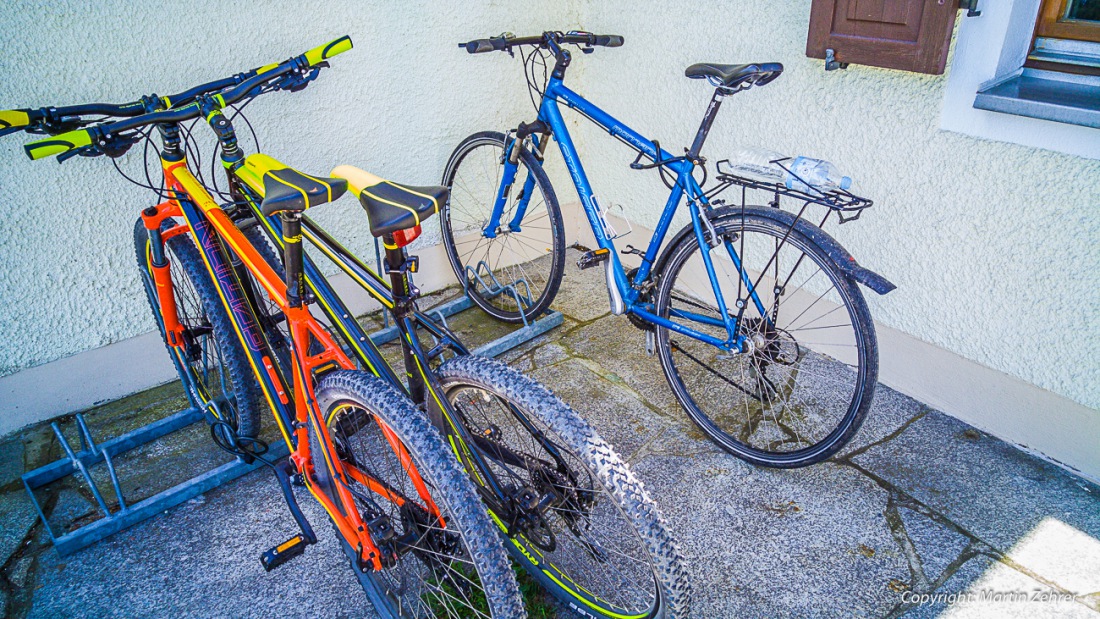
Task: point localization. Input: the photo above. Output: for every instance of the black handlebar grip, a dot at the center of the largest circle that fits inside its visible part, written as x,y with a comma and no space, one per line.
478,46
609,40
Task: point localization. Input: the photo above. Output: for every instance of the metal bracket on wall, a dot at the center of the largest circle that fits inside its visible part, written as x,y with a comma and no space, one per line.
971,7
831,63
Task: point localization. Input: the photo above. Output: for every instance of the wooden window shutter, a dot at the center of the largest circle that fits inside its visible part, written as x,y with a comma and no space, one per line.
911,35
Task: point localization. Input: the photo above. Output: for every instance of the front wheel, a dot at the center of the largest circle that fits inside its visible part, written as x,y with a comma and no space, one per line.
579,521
802,380
511,269
211,361
450,565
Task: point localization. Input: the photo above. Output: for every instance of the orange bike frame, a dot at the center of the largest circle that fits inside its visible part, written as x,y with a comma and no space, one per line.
207,223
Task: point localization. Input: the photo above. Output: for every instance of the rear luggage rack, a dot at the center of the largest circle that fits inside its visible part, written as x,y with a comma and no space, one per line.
847,205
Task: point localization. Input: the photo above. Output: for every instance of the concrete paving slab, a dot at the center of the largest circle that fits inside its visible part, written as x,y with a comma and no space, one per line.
202,559
583,294
936,545
1031,510
11,460
618,416
619,346
17,516
808,543
985,588
890,410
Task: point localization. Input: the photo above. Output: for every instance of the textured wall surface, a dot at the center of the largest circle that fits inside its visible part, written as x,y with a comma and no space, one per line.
396,105
993,245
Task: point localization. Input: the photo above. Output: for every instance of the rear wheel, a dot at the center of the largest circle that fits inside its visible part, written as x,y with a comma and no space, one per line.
580,523
527,254
211,362
451,566
801,387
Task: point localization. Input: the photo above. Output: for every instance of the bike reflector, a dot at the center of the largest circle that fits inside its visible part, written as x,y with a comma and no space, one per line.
402,238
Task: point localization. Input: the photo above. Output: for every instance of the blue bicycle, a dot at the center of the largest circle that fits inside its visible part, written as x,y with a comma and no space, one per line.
754,311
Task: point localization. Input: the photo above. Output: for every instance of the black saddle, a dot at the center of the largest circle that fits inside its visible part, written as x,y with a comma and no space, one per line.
736,76
391,207
288,190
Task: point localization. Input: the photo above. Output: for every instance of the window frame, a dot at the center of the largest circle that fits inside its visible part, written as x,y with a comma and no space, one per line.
1051,24
990,49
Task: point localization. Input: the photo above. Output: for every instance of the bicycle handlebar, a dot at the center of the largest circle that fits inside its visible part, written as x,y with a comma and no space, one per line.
241,85
506,42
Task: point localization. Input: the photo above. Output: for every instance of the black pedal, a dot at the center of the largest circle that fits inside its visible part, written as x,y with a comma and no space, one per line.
284,552
591,258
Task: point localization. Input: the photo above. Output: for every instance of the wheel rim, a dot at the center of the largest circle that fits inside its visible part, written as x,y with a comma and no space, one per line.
433,575
522,259
796,390
607,567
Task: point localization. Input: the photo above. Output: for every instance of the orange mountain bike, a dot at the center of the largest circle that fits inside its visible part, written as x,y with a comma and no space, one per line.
237,320
408,516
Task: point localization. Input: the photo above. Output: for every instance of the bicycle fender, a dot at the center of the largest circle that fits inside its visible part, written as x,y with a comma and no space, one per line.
840,256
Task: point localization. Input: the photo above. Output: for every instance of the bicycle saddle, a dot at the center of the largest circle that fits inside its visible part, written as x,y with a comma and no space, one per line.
285,189
391,207
736,76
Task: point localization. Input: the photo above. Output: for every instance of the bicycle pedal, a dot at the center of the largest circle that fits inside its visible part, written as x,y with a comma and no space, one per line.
591,258
284,552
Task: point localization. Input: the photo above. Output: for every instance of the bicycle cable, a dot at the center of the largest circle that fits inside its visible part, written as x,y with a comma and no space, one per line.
226,438
530,77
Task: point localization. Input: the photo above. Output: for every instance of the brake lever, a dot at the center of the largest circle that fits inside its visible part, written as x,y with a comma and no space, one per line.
64,124
83,151
293,82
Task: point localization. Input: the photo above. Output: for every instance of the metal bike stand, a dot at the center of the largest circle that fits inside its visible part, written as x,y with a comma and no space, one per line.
126,515
530,330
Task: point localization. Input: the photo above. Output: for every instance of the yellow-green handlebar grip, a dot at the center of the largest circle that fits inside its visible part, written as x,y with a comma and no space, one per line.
58,144
13,119
328,50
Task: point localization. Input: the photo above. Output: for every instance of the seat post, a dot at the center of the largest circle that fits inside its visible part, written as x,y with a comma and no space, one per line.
398,265
704,128
292,257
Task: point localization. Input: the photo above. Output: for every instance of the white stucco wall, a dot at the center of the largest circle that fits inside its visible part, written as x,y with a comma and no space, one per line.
397,105
993,245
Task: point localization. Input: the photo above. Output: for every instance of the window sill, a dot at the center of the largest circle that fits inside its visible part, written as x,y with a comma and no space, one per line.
1046,95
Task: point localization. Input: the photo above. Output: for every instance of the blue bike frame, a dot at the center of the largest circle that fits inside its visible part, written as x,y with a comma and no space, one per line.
683,169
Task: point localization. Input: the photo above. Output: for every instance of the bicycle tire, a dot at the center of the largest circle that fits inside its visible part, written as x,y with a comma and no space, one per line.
628,508
246,399
526,247
775,346
345,392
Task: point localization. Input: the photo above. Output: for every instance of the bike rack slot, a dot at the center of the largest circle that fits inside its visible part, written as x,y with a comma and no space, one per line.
125,515
92,454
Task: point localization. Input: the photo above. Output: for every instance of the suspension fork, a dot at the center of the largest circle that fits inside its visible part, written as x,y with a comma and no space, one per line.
152,218
524,198
511,167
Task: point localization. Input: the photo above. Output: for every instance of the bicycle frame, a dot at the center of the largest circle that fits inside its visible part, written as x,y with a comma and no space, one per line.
211,224
423,387
212,228
685,186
